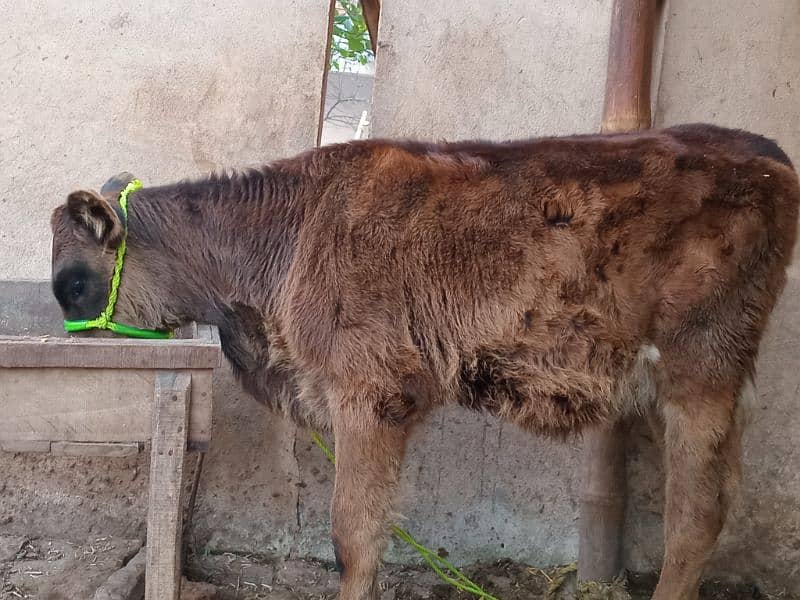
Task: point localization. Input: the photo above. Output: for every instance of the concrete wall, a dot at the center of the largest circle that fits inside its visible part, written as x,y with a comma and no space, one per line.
496,69
165,89
94,89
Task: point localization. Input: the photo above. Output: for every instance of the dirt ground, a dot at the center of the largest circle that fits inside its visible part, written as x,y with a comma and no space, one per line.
244,578
62,570
58,569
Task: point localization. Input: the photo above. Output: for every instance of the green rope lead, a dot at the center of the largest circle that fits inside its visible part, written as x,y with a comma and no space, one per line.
446,571
322,446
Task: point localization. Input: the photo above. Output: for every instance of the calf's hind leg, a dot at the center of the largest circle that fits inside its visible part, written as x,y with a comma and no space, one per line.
702,455
368,459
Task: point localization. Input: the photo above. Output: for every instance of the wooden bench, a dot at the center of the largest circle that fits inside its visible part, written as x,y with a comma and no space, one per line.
99,395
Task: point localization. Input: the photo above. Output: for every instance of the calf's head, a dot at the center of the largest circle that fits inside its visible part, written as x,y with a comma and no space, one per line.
87,231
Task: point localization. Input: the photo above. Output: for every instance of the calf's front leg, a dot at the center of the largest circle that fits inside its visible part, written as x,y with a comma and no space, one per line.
368,459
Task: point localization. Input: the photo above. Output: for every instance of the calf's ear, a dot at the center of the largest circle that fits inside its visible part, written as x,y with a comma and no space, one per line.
116,184
93,212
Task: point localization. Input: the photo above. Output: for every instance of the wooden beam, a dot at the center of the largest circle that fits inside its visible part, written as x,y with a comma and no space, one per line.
630,65
76,405
627,108
92,405
110,352
165,508
602,504
326,70
372,14
107,449
25,445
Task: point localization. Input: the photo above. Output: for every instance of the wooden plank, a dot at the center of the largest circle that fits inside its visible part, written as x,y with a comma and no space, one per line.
372,14
164,515
24,446
78,405
207,333
92,405
111,353
200,411
111,450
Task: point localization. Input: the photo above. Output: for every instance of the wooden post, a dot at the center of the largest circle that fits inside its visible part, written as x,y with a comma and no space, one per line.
602,504
630,61
371,10
326,71
164,515
627,108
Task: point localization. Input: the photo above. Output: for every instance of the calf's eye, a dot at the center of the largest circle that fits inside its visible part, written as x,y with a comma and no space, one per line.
76,287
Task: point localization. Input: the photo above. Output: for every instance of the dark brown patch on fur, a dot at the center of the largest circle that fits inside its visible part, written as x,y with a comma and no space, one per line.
691,162
528,318
193,208
621,213
414,398
719,139
479,381
561,401
599,168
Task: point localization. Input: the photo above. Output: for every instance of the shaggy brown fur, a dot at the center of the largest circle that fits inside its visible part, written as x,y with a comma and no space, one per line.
555,283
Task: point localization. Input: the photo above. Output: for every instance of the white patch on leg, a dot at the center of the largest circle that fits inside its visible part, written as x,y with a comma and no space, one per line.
637,392
650,352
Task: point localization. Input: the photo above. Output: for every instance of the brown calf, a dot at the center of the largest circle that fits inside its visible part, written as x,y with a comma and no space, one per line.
554,282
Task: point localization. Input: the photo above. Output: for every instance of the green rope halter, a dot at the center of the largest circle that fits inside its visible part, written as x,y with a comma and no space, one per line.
103,321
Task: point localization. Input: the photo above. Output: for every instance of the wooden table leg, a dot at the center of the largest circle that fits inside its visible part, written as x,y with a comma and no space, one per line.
165,507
